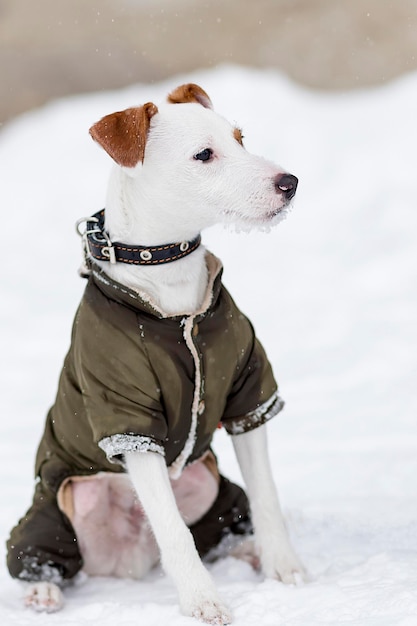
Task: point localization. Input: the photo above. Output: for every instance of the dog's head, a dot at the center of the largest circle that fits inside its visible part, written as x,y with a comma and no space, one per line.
183,154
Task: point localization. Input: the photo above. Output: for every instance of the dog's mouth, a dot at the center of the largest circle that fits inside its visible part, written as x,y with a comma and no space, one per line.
277,212
258,221
277,216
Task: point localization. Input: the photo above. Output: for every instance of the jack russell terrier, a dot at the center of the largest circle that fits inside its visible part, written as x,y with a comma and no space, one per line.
160,356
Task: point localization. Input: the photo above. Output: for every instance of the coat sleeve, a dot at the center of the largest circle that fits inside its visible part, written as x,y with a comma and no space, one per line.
121,394
253,399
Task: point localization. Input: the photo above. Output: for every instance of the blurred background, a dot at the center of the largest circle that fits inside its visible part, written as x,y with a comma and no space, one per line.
332,292
51,48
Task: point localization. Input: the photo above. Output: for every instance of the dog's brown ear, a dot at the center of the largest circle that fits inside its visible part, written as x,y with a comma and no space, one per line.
123,134
190,93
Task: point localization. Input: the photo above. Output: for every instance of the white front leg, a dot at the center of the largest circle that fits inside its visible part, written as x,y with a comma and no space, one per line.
278,558
197,593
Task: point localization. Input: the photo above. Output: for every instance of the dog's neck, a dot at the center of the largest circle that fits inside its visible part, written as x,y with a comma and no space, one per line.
176,288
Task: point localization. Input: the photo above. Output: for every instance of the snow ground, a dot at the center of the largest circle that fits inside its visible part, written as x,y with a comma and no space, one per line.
332,293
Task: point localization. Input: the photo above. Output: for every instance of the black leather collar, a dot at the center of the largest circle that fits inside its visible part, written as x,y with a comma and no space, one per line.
98,245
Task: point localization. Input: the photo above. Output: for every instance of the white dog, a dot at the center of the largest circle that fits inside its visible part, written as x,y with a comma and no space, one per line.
178,169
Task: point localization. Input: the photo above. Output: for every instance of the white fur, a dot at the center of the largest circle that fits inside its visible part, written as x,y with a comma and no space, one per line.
197,593
171,197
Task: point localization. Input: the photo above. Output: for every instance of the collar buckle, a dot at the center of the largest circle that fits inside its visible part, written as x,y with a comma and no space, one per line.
84,269
109,252
93,228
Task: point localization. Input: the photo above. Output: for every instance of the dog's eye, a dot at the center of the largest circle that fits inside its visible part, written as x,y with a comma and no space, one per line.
204,155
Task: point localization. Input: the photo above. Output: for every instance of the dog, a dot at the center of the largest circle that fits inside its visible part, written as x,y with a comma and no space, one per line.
160,355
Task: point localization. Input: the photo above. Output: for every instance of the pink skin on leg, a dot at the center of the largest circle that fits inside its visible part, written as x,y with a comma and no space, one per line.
112,529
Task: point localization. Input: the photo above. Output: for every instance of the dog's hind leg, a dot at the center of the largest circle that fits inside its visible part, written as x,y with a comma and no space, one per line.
43,551
197,593
44,597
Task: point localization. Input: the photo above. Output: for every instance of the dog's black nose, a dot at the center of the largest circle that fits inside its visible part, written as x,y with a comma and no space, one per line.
287,185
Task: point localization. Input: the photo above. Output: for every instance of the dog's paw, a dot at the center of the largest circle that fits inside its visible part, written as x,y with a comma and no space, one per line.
294,575
44,597
209,610
212,613
284,566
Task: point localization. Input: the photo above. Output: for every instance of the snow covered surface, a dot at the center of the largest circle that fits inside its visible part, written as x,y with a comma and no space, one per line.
332,294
